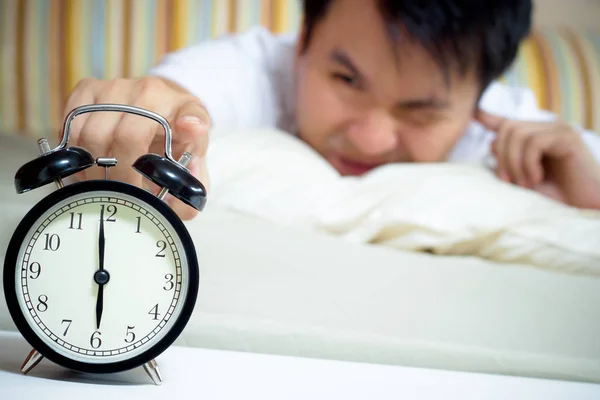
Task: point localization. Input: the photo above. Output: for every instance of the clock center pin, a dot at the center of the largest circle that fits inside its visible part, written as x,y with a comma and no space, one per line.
101,277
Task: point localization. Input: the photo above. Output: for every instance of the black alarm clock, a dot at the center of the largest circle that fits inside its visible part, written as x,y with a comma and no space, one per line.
101,276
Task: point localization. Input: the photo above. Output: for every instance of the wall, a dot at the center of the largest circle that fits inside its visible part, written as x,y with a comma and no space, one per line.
580,13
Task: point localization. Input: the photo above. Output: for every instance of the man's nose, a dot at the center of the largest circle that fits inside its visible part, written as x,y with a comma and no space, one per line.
374,133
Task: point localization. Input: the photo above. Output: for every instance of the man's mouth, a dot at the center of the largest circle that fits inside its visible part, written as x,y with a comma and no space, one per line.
346,166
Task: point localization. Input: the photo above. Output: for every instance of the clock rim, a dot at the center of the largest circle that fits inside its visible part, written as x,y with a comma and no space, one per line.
16,242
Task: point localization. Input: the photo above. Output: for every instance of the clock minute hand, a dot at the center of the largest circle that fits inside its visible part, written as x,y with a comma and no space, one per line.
100,276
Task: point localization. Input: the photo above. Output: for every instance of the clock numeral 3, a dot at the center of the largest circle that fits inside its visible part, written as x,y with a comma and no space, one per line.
52,242
170,284
35,268
130,335
163,245
95,341
110,209
68,321
154,312
79,217
43,303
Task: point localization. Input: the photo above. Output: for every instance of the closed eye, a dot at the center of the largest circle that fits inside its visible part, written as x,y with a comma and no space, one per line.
347,79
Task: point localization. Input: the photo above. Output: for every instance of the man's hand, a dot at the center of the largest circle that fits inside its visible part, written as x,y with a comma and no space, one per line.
549,157
127,136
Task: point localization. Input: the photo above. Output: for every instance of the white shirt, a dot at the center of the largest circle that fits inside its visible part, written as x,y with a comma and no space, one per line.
247,81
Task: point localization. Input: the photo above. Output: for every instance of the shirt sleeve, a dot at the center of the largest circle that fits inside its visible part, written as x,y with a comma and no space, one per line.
232,75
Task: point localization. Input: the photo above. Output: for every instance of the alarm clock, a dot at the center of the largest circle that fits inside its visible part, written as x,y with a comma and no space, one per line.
101,276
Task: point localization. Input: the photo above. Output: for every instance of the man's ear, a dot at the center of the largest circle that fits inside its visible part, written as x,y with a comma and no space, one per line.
300,44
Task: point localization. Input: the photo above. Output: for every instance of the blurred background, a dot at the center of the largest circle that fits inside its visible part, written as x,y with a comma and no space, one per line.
47,46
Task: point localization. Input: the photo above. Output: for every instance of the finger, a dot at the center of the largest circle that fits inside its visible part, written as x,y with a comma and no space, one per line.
489,121
98,132
83,93
514,156
500,149
132,139
197,168
495,122
192,124
532,159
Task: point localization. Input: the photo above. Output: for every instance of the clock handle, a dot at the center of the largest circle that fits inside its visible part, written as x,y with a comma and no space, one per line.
117,108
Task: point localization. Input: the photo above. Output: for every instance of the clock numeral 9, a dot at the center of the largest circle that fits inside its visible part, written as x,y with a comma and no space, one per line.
35,268
154,312
163,245
110,209
43,303
95,341
169,285
130,335
52,242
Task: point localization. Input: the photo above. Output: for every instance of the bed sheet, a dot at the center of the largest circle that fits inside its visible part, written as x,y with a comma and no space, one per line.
286,290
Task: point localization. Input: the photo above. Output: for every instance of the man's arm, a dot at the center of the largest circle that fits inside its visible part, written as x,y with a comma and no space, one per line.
233,76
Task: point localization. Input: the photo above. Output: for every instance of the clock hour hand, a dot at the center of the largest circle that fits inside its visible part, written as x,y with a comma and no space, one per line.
99,305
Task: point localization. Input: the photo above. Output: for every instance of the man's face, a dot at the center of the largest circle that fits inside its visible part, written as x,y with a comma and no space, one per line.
364,100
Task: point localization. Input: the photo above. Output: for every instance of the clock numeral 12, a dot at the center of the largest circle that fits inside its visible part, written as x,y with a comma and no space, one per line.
110,209
79,217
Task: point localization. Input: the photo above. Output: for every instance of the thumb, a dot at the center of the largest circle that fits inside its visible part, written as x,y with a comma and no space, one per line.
489,121
192,123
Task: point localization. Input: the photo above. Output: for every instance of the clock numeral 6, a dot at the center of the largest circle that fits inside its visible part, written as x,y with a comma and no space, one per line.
43,303
130,335
52,242
112,210
95,341
35,268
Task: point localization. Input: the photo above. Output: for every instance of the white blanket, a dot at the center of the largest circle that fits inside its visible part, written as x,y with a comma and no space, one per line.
450,209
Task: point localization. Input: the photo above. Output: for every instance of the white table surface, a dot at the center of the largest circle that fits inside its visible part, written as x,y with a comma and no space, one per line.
213,374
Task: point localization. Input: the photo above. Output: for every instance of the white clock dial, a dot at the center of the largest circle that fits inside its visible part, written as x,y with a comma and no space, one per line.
146,265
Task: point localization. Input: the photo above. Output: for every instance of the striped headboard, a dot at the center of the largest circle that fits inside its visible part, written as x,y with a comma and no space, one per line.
46,46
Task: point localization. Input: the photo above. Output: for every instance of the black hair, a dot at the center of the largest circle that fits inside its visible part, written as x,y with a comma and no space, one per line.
462,34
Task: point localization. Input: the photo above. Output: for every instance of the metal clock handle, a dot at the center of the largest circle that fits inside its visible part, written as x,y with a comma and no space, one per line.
118,108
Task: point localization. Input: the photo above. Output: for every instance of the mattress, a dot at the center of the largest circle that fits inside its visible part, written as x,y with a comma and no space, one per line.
276,289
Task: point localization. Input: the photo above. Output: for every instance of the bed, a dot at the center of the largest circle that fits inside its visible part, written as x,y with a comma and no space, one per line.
287,280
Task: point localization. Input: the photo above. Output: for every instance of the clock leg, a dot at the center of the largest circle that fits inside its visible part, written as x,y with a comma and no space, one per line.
31,361
151,368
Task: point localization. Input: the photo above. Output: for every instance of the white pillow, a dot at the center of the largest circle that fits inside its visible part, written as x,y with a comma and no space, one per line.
451,209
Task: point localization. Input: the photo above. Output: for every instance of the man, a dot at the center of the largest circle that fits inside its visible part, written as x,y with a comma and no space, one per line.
366,83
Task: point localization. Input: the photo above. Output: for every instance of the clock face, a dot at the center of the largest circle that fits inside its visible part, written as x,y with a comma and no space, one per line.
102,276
